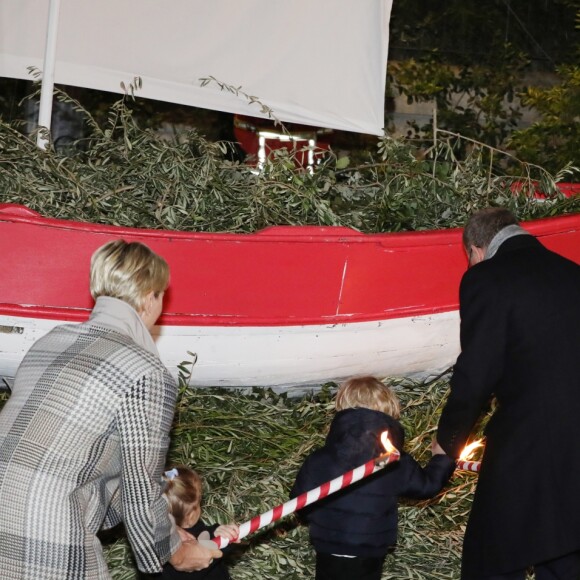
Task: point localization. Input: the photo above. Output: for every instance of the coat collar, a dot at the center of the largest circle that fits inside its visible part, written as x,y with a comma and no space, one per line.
517,243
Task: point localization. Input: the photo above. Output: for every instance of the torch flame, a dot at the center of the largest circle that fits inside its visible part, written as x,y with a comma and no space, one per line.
386,442
469,449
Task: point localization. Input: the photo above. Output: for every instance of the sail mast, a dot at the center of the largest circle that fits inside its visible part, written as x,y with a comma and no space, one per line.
47,86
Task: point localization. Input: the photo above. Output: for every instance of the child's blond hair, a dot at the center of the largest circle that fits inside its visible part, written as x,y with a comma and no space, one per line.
183,490
370,393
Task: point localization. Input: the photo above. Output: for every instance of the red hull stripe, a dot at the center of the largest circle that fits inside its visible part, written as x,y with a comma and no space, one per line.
274,271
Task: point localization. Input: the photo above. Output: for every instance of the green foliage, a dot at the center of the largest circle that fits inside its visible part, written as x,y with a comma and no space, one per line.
554,139
476,100
470,64
125,175
249,445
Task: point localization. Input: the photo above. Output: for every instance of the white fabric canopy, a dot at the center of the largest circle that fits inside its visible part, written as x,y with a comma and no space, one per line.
317,62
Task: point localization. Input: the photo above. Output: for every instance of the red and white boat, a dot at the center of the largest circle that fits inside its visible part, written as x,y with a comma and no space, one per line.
284,307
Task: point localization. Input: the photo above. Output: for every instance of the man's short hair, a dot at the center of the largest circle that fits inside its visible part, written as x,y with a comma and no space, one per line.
483,225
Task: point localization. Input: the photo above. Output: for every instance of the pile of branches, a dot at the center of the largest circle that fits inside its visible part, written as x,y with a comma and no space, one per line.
122,174
248,446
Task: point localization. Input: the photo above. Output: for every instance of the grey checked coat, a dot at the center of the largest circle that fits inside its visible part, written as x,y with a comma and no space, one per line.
83,440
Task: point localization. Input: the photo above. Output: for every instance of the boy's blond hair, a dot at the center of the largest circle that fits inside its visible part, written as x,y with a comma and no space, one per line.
370,393
183,492
128,271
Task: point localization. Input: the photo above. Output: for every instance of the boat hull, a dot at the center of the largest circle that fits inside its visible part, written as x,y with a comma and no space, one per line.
285,307
281,356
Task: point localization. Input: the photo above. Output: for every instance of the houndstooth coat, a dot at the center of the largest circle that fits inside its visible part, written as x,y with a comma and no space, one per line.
83,440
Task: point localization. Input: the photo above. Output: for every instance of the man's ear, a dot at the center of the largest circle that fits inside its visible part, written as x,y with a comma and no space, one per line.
476,255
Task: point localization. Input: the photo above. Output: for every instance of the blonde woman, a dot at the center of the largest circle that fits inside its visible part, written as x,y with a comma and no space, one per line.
353,529
84,435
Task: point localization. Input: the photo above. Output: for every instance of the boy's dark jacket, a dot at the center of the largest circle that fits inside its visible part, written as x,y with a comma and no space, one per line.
361,520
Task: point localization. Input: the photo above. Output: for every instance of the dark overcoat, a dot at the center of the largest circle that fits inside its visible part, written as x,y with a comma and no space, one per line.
520,341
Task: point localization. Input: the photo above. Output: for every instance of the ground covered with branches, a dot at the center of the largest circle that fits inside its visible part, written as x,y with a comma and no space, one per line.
249,446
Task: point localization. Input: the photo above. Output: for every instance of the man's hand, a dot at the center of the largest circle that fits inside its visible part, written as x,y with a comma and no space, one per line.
192,556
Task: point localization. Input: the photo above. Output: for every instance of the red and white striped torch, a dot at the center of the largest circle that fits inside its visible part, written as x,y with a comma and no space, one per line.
391,454
464,462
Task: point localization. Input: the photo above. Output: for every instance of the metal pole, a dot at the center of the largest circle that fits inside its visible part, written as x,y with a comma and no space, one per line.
47,86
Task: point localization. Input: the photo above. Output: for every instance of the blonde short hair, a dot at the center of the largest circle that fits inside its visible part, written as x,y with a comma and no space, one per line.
370,393
128,271
183,492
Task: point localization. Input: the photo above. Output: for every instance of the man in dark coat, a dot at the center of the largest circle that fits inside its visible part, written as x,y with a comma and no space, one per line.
520,341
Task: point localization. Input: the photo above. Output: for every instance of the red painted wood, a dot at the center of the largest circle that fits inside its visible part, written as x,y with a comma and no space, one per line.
279,276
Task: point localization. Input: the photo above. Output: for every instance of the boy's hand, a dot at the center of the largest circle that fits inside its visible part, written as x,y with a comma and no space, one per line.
436,449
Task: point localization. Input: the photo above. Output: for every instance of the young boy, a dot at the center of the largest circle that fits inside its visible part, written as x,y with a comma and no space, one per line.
353,529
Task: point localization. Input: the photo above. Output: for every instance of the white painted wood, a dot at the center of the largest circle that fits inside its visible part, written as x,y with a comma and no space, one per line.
285,357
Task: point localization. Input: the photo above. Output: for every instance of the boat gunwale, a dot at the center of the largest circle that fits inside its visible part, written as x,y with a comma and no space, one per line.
16,213
388,242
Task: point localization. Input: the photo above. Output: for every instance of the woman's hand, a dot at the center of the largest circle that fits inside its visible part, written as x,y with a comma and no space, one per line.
184,535
192,556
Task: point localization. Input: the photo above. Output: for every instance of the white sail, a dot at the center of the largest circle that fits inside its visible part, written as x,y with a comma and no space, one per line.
320,63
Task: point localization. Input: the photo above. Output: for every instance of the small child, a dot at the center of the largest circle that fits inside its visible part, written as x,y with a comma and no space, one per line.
353,529
184,489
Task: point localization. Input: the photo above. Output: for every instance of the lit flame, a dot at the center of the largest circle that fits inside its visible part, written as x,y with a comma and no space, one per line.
389,447
468,450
